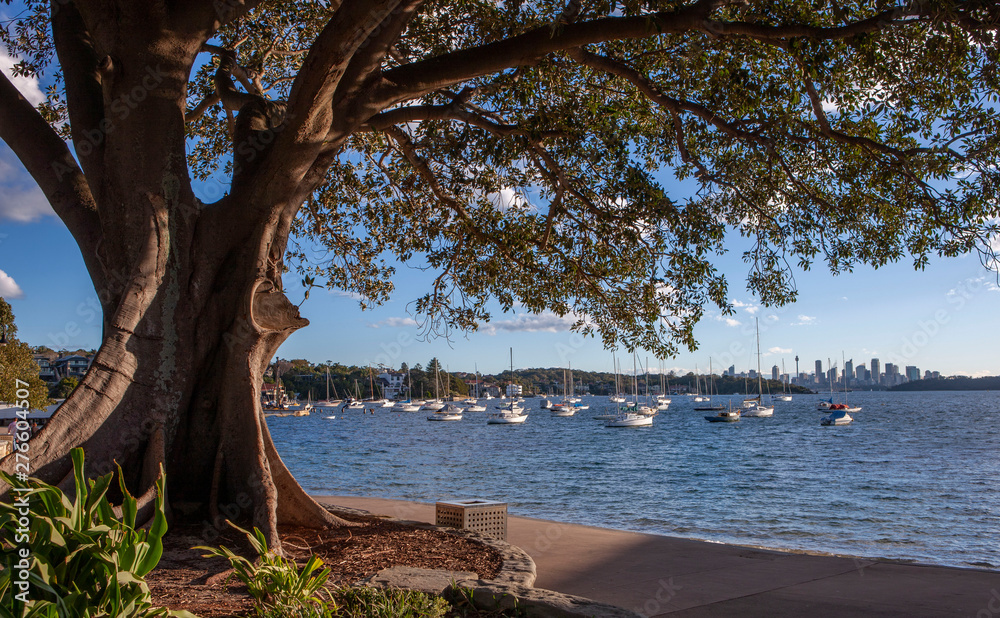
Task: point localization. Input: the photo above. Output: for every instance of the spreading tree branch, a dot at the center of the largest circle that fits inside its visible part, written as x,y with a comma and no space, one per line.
50,163
417,78
84,90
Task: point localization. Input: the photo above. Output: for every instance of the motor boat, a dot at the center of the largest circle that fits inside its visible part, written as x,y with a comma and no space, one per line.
836,417
629,419
724,416
447,413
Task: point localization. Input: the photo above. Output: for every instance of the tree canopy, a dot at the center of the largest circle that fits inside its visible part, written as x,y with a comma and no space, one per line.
590,157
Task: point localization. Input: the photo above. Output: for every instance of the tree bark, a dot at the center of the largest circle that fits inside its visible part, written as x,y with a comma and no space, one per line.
182,388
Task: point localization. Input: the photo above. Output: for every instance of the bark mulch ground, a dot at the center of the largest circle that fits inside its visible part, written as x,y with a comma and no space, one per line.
203,586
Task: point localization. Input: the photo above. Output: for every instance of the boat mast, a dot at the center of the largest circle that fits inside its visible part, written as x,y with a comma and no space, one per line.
829,374
635,380
760,388
842,359
662,393
647,378
511,389
711,377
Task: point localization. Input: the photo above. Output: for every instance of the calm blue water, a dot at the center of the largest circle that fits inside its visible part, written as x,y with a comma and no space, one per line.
916,476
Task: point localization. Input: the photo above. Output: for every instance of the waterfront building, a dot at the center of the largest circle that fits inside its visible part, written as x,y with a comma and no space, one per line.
45,370
912,373
876,371
848,372
393,384
75,366
819,371
775,372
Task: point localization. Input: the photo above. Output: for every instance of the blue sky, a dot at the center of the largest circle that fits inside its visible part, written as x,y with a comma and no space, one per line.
943,318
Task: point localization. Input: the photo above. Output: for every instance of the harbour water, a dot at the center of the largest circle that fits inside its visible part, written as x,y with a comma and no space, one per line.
915,477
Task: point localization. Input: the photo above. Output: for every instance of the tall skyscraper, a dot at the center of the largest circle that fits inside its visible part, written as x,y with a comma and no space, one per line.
775,372
848,372
912,373
876,371
819,371
732,371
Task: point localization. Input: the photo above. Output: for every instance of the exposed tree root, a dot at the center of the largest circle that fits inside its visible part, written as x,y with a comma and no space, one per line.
295,506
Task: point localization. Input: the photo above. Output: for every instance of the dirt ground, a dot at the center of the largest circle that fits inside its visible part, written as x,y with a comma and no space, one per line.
203,586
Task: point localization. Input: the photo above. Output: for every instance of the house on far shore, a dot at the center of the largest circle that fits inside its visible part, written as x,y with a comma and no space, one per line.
44,361
53,367
393,384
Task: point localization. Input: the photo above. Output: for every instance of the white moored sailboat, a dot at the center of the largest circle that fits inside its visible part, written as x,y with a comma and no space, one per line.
449,412
509,412
475,405
328,404
758,408
784,396
631,417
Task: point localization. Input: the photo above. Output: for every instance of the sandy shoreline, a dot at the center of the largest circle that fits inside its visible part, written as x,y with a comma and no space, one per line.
657,575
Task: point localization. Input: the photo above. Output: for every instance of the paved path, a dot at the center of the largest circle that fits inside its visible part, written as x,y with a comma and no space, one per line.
658,575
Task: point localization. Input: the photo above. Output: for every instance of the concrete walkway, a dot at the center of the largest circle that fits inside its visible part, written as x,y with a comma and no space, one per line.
658,575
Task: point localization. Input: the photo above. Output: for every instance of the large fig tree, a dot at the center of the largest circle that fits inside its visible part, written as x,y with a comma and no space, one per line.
587,157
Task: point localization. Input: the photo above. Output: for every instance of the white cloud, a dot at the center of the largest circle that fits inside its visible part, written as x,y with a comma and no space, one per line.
530,323
732,322
805,320
346,294
8,287
394,323
777,350
750,308
20,198
27,85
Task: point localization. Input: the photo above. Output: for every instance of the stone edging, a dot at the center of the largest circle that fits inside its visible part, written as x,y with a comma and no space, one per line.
512,587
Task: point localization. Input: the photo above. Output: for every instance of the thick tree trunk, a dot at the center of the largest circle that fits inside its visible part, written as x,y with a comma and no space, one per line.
193,308
177,381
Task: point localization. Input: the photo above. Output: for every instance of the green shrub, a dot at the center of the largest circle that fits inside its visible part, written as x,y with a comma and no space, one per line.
84,561
278,586
282,589
386,603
